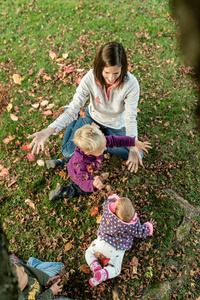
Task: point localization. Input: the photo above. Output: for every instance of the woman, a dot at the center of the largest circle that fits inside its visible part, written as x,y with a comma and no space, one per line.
114,95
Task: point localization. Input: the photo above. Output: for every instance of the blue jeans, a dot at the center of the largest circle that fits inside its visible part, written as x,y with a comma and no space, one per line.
68,145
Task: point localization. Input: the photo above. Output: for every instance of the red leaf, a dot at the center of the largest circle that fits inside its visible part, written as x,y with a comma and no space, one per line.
26,147
68,70
30,72
47,113
16,108
78,80
104,260
4,172
52,54
94,210
30,157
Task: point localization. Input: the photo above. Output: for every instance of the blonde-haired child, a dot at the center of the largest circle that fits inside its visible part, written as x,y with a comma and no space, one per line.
118,227
87,159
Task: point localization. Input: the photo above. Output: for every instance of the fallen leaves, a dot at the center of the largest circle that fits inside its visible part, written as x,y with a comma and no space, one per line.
47,113
68,246
52,55
8,139
4,172
30,203
134,263
30,157
104,260
68,70
17,78
85,268
35,105
40,162
78,80
26,147
98,219
13,117
94,210
9,107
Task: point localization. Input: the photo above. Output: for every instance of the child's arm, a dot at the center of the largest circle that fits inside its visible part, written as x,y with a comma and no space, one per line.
86,181
142,231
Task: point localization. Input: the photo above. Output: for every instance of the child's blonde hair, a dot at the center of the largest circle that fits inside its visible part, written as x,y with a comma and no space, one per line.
88,138
124,209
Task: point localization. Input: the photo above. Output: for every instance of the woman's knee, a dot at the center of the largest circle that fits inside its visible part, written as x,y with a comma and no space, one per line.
68,149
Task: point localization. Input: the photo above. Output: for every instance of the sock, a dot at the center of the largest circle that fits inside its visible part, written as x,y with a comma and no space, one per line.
95,266
99,276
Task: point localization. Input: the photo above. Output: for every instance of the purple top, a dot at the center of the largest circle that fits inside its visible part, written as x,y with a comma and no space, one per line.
117,233
81,167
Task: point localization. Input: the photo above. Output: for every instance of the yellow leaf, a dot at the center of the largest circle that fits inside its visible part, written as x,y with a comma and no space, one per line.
99,219
9,107
68,246
15,160
134,270
17,78
30,203
65,55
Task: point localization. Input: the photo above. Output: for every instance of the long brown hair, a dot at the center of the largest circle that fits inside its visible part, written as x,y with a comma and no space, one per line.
111,54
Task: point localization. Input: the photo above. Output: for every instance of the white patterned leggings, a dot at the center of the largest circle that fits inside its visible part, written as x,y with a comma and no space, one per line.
115,255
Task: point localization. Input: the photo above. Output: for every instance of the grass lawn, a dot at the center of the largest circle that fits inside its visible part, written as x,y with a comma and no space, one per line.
32,34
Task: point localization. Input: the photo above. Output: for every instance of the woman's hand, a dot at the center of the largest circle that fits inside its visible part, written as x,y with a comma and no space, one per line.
39,139
134,159
97,183
49,282
56,288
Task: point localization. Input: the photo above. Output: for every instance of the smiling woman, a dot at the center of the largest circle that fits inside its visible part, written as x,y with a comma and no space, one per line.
114,95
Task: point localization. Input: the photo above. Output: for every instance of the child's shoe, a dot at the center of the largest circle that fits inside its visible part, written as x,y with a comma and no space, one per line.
99,276
95,266
57,193
54,163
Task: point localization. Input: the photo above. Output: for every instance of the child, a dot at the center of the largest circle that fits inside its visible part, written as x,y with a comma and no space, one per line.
118,227
32,283
87,160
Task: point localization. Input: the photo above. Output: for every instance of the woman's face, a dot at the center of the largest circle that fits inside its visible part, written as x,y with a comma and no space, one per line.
111,74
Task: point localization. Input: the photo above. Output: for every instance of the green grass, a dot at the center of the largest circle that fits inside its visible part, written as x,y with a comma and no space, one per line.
166,118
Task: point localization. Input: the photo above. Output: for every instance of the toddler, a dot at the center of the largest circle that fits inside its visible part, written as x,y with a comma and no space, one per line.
87,159
118,227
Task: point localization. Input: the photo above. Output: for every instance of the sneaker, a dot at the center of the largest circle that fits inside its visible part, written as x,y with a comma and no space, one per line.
57,193
54,163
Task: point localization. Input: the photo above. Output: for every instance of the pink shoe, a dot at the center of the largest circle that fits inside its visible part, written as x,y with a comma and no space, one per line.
95,266
99,276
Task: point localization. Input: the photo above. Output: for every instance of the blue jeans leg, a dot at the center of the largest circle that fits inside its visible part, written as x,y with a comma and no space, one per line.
68,146
50,268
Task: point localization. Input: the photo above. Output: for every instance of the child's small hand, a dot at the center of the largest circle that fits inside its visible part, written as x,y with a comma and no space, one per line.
95,125
143,145
153,222
97,183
